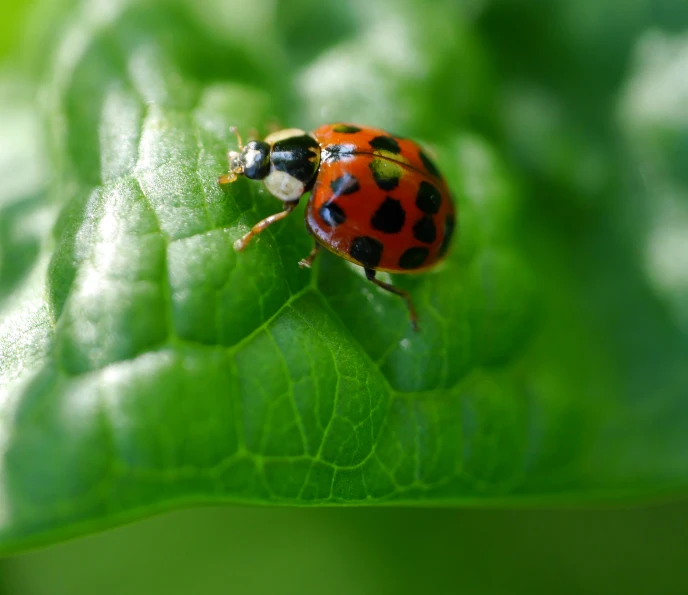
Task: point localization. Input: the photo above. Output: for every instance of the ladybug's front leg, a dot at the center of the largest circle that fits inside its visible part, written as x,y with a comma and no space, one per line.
243,241
405,295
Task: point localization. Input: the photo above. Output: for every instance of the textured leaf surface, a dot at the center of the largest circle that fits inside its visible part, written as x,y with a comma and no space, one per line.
145,364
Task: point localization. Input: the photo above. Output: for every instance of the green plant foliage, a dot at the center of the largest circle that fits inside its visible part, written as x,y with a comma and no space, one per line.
145,364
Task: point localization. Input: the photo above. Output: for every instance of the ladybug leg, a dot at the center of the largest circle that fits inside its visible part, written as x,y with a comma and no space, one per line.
405,295
273,125
308,261
243,241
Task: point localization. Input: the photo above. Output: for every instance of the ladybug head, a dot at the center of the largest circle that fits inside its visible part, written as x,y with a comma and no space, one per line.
252,160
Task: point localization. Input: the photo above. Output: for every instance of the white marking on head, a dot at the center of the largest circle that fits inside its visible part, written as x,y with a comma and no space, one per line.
271,139
283,186
252,157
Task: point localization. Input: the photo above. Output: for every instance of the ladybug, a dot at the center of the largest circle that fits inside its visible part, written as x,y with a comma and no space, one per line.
376,199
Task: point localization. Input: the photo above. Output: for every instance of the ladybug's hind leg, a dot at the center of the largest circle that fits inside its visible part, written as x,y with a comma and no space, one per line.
308,261
243,241
405,295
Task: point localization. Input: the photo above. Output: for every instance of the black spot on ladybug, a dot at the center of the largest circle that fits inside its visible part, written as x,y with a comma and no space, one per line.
428,198
428,164
346,129
424,230
366,250
386,173
389,217
413,258
385,143
332,214
344,184
334,153
449,225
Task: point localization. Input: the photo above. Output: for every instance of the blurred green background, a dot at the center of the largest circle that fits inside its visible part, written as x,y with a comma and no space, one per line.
588,101
377,551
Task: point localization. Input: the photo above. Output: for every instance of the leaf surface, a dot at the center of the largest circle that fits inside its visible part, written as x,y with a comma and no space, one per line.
146,364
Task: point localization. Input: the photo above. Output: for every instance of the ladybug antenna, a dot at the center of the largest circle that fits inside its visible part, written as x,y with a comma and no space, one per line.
235,132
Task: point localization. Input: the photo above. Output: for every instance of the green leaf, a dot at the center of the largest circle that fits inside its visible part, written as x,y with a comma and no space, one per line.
146,364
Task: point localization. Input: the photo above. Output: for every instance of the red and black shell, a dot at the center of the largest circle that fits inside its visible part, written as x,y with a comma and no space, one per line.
378,200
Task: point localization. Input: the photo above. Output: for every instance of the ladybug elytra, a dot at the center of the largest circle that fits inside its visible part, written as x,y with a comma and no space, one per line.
376,200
